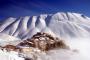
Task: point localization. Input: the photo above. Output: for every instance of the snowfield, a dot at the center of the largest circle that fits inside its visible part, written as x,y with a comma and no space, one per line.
9,55
50,55
79,50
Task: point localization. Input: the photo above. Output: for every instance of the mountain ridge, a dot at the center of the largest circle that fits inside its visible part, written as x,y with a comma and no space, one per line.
64,25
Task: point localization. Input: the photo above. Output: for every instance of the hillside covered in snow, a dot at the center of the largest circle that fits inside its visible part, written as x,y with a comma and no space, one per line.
72,28
64,25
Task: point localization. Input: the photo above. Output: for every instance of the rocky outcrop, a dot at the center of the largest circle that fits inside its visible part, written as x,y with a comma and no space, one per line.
11,48
44,42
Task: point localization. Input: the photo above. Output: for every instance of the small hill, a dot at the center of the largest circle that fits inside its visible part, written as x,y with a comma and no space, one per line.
44,42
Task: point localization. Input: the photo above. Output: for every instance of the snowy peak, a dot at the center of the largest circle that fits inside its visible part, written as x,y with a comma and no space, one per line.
61,24
68,16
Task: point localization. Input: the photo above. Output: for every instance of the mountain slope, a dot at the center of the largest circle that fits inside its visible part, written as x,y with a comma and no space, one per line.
6,38
64,25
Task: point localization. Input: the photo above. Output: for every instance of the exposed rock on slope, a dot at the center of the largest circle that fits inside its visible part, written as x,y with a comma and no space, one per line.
44,42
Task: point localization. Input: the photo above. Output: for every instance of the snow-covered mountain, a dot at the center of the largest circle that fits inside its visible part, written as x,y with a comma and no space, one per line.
64,25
